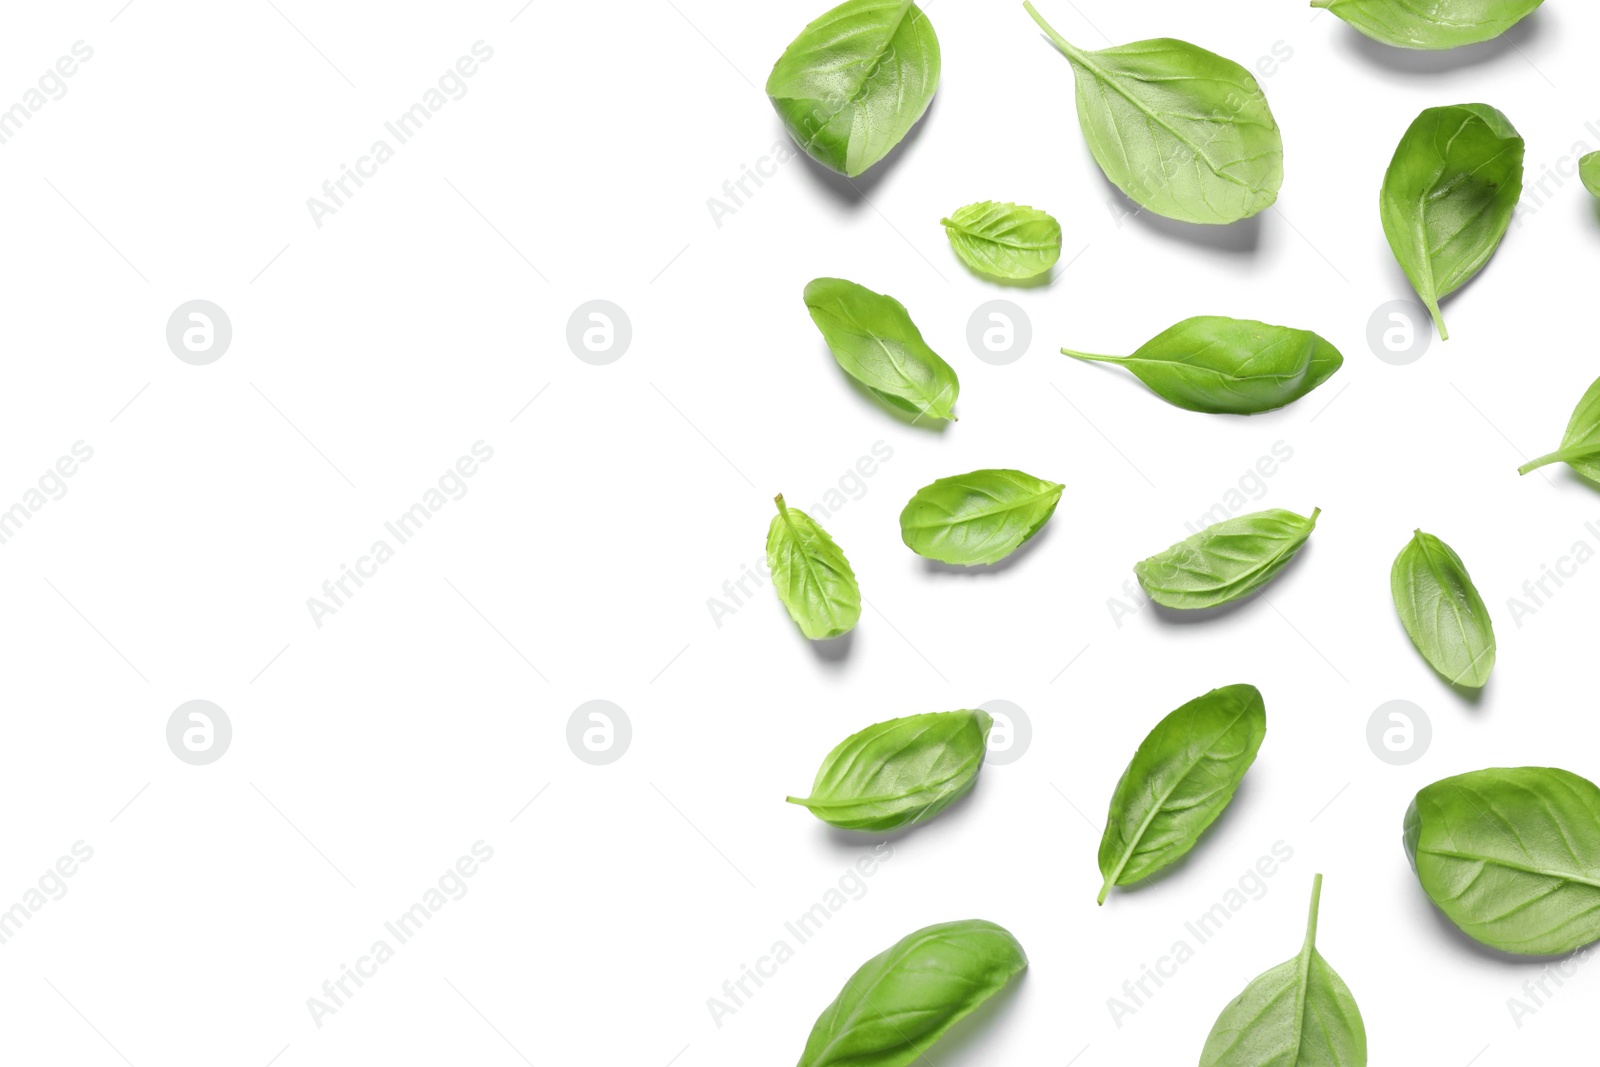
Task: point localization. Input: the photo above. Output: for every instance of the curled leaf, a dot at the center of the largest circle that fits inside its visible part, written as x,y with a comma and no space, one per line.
1009,241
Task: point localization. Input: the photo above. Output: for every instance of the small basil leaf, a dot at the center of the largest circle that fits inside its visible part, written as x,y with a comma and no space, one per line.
1299,1012
902,1000
1182,131
900,772
1448,197
1434,25
1442,611
811,575
1004,240
1580,445
855,81
877,344
1589,172
1184,773
1224,561
1511,856
1229,366
976,518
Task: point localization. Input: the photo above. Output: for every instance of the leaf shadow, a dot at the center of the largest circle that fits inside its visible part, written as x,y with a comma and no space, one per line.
1237,238
853,192
1027,548
834,651
1217,829
1420,63
962,1043
1194,616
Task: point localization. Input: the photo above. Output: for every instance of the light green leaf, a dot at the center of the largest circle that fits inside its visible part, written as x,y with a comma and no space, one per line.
1430,24
1442,611
1298,1014
1589,172
1229,366
900,1002
855,81
1580,445
1448,197
1182,131
900,772
1511,856
1009,241
976,518
877,344
1225,561
1181,778
811,575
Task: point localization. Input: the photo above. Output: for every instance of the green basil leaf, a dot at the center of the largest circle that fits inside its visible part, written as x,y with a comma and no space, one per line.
1185,772
900,772
1182,131
1511,855
975,518
855,81
1580,445
1448,197
1589,172
903,1000
811,575
1299,1012
1442,611
1226,560
878,345
1229,366
1010,241
1433,25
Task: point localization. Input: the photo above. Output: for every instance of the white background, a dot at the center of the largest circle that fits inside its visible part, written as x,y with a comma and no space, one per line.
368,354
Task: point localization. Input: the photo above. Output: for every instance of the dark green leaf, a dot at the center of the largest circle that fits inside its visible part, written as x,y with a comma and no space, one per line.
1229,366
1442,611
878,345
811,575
975,518
1183,131
899,772
904,999
1298,1014
1225,561
1511,856
1448,196
1004,240
1184,773
856,80
1434,24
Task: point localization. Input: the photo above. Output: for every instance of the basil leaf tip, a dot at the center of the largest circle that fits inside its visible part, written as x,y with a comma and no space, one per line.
1225,561
1183,132
1442,612
900,1002
1220,365
900,772
1299,1012
873,340
977,518
855,82
811,575
1183,775
1511,856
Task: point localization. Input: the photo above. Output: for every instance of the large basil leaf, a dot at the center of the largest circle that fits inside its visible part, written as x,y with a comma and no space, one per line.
1298,1014
1580,445
855,81
975,518
1432,25
1225,561
1442,611
899,772
1448,197
878,345
1184,773
1183,131
811,575
1010,241
1511,856
1229,366
902,1000
1589,172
